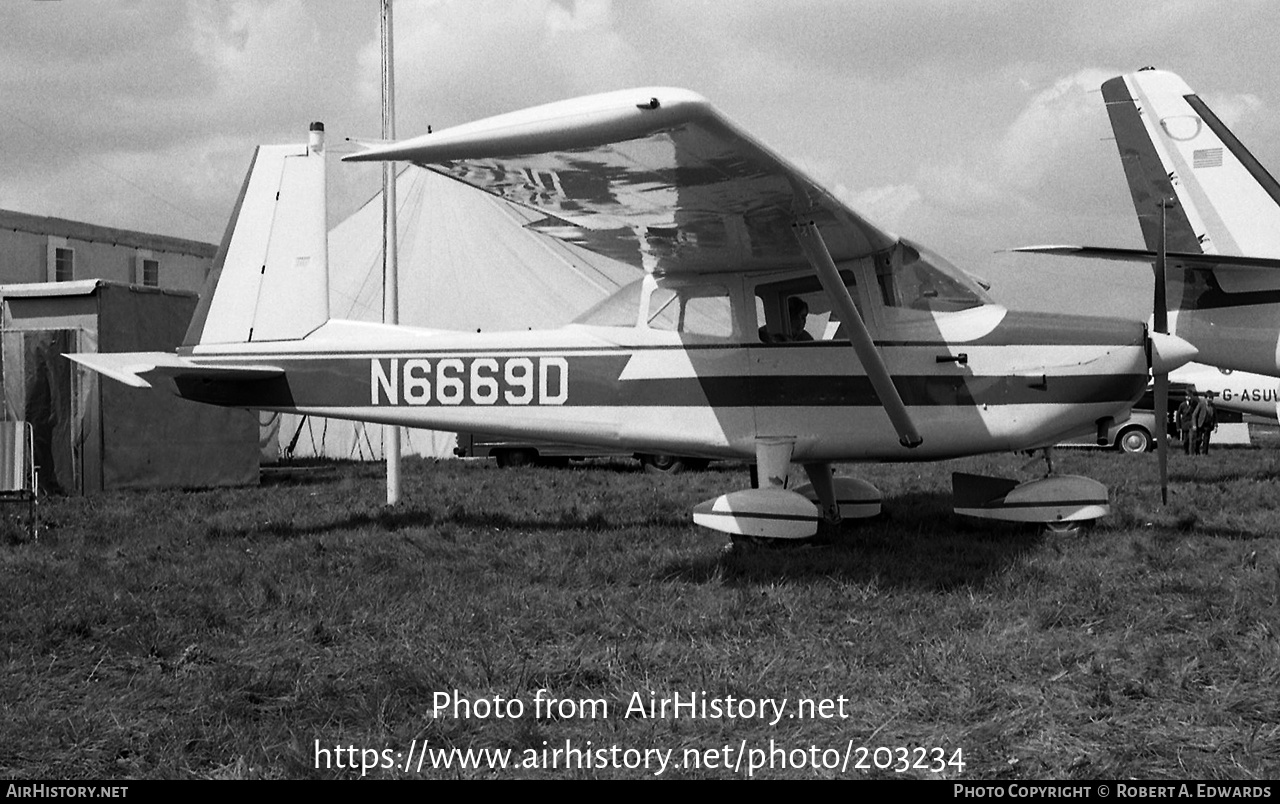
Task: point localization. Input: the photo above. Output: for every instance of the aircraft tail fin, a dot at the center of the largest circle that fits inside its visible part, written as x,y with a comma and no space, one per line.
1173,146
269,280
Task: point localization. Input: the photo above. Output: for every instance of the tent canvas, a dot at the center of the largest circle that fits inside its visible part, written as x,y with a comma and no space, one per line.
466,262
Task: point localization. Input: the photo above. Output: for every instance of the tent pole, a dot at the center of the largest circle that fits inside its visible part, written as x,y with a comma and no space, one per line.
390,269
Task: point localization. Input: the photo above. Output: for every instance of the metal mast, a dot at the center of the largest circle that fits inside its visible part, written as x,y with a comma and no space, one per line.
390,269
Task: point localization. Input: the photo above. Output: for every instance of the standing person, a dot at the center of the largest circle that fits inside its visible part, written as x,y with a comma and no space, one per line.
1198,415
1206,423
1184,419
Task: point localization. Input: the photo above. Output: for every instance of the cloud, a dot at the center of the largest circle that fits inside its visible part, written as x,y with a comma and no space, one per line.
1059,128
967,121
1239,109
460,61
583,15
144,115
885,205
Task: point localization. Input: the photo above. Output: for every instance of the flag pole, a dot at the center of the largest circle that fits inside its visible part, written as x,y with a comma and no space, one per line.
390,268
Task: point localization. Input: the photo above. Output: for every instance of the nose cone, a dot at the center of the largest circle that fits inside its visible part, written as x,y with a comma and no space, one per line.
1168,352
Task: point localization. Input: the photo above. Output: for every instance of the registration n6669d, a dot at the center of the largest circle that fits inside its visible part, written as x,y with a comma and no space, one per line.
469,381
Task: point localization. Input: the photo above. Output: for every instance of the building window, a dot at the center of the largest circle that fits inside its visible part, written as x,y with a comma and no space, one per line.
151,273
63,264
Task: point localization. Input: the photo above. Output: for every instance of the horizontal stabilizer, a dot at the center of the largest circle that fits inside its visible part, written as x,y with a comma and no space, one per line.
129,368
1199,262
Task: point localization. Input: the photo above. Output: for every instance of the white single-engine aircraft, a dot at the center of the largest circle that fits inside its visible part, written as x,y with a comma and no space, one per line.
1214,210
712,353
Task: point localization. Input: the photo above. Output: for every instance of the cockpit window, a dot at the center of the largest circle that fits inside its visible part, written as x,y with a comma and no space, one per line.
692,310
689,309
926,281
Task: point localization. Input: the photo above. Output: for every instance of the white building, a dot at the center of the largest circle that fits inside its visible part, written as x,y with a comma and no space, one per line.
35,248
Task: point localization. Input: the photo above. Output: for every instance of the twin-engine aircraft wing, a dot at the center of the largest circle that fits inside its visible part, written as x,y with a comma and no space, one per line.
1176,259
653,177
657,178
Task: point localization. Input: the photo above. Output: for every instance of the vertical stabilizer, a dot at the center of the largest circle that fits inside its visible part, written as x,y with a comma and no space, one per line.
270,278
1173,145
1223,225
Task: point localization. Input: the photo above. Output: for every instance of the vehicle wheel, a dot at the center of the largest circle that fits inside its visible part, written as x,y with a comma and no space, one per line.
1134,440
666,464
1078,528
514,457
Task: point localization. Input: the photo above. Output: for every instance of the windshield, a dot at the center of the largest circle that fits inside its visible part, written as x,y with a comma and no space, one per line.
927,281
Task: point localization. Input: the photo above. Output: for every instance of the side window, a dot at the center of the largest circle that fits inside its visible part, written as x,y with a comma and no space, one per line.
692,310
798,311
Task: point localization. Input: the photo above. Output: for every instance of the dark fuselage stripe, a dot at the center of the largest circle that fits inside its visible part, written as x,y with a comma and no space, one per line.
596,380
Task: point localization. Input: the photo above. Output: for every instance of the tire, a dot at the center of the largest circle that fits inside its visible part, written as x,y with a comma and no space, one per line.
514,457
663,464
1134,440
1066,528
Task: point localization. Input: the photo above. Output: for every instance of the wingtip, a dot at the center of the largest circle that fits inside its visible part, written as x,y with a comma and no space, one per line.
127,374
1045,249
576,122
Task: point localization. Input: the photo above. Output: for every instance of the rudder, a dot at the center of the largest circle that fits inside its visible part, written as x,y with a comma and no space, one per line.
269,280
1172,145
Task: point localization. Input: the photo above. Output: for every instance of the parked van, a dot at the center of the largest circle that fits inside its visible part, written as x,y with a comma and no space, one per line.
518,452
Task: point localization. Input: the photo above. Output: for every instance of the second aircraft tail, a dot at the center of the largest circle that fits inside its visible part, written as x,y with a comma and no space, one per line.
1173,146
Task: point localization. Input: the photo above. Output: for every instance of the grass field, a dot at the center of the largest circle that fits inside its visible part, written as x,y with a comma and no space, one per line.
227,634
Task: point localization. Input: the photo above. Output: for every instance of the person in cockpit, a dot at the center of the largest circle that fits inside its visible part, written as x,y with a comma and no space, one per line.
797,317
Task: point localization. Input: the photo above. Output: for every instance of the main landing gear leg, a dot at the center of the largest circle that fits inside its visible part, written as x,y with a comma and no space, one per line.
1045,455
821,478
773,462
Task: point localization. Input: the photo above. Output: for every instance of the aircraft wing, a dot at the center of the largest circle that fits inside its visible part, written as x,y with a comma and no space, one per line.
653,177
1176,259
129,368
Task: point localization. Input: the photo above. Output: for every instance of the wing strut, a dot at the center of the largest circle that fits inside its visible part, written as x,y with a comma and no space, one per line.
815,249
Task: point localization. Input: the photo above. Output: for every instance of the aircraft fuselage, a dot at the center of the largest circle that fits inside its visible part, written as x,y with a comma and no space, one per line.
1018,381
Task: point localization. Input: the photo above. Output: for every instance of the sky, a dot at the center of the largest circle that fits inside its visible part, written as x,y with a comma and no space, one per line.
971,126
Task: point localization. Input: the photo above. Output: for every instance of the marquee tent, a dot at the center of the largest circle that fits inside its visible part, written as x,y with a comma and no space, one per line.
466,262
